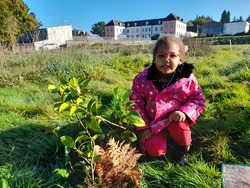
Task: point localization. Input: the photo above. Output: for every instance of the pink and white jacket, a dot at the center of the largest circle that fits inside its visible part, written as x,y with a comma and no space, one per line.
184,95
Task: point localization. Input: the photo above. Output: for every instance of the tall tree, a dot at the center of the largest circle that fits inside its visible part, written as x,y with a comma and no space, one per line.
98,28
228,19
225,17
248,19
240,19
15,20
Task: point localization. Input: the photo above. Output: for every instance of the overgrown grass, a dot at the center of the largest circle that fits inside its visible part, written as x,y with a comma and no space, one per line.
30,152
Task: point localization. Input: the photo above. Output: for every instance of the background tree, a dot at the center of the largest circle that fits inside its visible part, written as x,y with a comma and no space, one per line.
190,23
199,21
98,28
15,20
225,16
240,19
248,19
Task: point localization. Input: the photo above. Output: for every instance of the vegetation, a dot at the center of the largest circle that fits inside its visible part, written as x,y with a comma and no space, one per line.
33,156
225,17
98,28
15,20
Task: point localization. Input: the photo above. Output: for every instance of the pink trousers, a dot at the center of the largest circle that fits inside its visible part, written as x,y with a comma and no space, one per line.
156,145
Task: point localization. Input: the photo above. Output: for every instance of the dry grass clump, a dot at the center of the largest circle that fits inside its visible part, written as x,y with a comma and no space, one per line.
117,165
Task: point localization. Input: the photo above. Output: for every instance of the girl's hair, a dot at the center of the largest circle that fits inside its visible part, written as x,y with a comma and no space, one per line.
169,39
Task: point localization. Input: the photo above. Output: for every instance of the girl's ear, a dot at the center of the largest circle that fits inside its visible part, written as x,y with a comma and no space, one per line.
181,60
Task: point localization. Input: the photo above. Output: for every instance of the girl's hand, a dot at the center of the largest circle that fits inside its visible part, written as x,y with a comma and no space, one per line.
177,116
145,134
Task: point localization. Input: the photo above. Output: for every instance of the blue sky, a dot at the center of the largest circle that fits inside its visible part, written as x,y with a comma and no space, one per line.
82,14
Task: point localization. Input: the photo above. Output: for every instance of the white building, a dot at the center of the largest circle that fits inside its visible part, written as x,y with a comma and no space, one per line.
145,29
58,35
115,30
235,27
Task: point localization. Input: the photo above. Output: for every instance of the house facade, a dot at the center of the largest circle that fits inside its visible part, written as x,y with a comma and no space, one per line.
115,29
145,29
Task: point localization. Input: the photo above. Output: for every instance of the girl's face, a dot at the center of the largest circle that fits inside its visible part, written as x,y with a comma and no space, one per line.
167,58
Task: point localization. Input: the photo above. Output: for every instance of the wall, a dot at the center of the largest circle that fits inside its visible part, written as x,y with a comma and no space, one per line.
235,27
58,35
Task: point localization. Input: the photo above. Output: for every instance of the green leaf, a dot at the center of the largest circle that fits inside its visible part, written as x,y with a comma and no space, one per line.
67,97
62,80
72,110
63,107
62,172
90,105
67,141
85,83
52,88
96,136
73,82
134,119
79,100
137,121
141,123
57,106
129,136
115,91
133,112
73,91
125,96
84,91
81,137
4,183
94,125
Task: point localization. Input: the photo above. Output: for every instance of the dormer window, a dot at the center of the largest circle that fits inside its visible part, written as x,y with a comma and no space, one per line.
146,22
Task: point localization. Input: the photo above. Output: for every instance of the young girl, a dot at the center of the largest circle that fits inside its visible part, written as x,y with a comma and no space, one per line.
169,99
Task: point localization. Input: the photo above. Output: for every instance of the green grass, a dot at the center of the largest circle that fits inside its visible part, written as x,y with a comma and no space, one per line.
30,151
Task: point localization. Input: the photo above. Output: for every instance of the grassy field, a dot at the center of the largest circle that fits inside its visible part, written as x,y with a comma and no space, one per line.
29,151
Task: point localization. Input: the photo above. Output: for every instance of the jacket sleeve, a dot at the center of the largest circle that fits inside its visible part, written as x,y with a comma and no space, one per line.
195,103
139,101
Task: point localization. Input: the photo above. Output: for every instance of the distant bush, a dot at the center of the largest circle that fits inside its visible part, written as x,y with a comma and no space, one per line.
198,47
221,40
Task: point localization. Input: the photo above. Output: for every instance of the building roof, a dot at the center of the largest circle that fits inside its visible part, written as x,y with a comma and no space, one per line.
212,24
134,23
116,23
144,22
171,17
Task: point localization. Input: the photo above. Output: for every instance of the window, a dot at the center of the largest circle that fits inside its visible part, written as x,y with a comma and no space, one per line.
107,29
166,26
156,29
171,25
137,30
149,29
127,30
